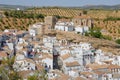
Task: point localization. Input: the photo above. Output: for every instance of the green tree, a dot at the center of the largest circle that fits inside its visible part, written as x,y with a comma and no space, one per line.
21,14
107,37
9,62
39,75
118,41
95,32
112,18
34,77
86,33
13,75
84,12
7,74
57,16
6,13
119,30
39,16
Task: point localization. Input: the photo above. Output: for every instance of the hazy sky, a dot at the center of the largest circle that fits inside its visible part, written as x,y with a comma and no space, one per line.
59,2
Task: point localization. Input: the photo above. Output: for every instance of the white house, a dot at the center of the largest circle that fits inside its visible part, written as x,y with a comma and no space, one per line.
47,39
101,58
85,46
10,45
21,40
32,32
64,26
20,56
23,64
48,60
73,65
78,29
64,51
46,50
21,46
18,9
66,58
57,75
77,54
86,28
36,29
110,76
81,29
116,60
48,45
6,30
73,73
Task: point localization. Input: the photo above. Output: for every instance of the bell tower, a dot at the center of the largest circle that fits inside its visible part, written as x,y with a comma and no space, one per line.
55,58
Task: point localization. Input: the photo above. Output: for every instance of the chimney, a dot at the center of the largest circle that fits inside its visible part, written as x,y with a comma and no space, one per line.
80,14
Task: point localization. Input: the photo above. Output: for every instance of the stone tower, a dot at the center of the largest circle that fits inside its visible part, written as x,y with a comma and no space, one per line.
55,58
51,21
83,20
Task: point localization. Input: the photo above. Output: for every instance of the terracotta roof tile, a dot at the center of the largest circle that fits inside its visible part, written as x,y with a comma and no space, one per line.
97,66
86,73
82,17
80,78
65,56
72,64
99,72
30,60
113,66
3,54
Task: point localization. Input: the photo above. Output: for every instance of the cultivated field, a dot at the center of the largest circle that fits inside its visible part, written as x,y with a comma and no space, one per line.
112,27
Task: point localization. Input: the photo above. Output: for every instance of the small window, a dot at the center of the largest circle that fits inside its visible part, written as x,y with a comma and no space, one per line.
28,63
82,23
75,21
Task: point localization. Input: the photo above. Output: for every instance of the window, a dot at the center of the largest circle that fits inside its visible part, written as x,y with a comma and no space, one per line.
82,24
75,21
28,63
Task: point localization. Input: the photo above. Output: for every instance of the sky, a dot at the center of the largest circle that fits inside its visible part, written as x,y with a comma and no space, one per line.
59,2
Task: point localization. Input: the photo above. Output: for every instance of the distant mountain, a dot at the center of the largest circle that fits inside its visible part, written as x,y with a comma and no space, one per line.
5,6
101,7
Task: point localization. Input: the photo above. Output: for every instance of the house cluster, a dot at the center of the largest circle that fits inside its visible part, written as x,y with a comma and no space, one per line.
59,58
82,60
8,40
79,24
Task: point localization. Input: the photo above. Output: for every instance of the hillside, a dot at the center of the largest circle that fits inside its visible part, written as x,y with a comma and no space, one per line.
105,45
108,7
20,24
113,7
102,18
14,7
99,16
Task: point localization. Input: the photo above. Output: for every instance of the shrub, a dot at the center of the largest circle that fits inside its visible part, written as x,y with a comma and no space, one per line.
21,14
95,32
112,19
118,41
86,34
107,37
84,12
